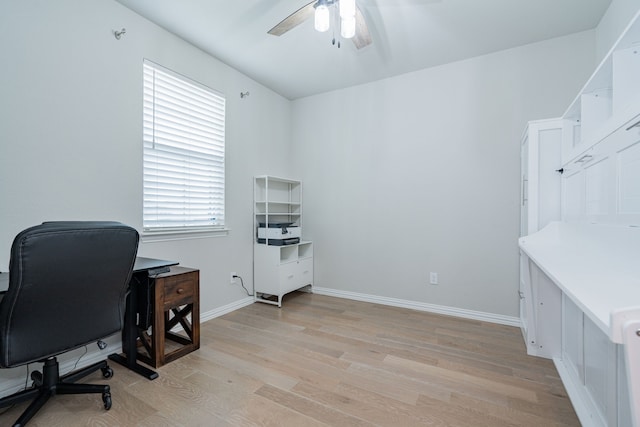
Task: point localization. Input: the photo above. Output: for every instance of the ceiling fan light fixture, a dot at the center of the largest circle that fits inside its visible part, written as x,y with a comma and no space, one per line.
321,17
348,27
347,8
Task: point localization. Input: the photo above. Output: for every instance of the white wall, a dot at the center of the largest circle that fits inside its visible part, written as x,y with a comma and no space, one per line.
403,176
71,130
420,173
613,23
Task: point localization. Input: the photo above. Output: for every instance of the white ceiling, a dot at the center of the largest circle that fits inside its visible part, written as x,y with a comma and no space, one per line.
407,35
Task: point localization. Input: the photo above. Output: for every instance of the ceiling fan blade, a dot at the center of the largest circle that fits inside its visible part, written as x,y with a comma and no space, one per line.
293,20
362,37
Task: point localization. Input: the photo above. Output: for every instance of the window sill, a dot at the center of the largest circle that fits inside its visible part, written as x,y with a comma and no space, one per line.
171,235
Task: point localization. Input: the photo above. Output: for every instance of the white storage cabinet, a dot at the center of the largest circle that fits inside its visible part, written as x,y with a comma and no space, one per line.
279,269
541,160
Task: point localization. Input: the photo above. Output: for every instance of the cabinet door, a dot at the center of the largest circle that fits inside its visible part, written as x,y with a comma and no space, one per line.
572,338
624,401
549,179
548,299
603,184
600,371
571,137
541,158
526,314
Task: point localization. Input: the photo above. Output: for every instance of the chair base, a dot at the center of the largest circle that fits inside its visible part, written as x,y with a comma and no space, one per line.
49,383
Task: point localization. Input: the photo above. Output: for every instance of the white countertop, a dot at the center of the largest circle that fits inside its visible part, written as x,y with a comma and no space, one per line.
597,266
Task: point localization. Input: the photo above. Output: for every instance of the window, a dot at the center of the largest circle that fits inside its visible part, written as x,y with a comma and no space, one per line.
184,142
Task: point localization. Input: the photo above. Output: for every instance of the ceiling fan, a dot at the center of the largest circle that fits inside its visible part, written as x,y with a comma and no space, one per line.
352,22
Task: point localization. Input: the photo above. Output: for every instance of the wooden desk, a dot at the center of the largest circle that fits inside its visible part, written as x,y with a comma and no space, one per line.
132,319
175,298
176,301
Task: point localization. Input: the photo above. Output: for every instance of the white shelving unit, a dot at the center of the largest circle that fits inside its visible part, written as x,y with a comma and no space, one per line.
278,270
579,276
609,98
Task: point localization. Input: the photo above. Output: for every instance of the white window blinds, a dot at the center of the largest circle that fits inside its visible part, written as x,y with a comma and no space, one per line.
184,141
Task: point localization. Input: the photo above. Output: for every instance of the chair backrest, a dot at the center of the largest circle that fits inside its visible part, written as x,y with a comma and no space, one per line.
67,288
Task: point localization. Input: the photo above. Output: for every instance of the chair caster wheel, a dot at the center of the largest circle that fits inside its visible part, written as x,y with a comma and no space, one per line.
106,399
107,372
36,376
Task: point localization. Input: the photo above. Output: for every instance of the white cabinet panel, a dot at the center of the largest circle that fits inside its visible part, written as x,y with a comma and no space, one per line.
549,161
573,197
572,338
629,181
541,305
541,158
603,184
600,372
596,195
626,68
596,110
624,404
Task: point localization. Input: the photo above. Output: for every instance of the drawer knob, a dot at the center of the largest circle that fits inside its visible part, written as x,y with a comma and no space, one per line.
180,291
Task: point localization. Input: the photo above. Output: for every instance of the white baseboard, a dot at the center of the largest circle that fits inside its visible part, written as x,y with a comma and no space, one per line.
421,306
217,312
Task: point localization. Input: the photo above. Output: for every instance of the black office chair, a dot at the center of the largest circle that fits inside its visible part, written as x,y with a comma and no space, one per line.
67,288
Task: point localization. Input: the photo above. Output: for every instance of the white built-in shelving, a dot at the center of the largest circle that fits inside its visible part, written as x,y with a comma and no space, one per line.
609,99
580,274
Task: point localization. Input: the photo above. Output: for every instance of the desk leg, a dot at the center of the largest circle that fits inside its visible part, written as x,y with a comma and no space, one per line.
129,340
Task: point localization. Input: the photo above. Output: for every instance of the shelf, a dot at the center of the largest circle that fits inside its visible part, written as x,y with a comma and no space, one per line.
305,250
288,253
610,97
279,269
278,213
278,203
276,179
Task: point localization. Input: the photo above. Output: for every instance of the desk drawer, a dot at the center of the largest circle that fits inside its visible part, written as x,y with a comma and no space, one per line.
179,290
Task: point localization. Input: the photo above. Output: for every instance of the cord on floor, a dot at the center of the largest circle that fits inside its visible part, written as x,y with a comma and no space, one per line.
242,284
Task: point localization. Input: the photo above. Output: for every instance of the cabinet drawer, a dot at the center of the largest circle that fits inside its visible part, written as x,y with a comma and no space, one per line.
179,290
288,277
305,271
294,275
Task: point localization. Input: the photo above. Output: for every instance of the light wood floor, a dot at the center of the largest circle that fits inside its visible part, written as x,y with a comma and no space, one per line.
327,361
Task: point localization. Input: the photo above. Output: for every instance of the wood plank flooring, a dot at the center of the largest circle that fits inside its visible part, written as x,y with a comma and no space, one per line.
322,361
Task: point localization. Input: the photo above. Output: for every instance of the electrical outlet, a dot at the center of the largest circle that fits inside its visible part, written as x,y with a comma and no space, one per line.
232,277
433,278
